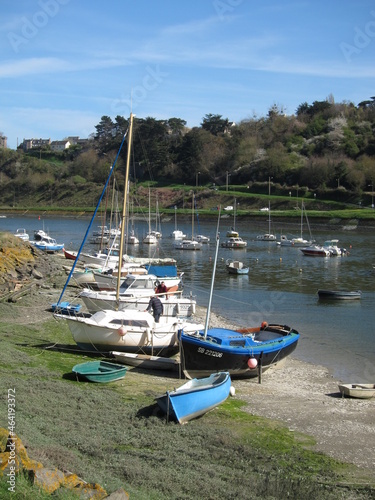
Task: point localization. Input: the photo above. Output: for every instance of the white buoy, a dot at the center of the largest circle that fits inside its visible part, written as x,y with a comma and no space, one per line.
232,390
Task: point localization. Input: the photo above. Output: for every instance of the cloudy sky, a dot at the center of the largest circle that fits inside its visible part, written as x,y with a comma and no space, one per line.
66,63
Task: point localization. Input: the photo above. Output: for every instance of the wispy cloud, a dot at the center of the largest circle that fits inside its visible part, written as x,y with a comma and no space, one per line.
40,65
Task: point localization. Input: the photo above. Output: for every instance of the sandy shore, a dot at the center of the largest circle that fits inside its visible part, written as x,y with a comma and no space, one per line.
306,399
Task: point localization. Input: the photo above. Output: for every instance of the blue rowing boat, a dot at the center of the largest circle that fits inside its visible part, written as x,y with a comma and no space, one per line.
196,397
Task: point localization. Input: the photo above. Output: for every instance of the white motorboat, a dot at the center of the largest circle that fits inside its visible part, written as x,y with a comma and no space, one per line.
22,234
187,245
315,251
234,243
178,235
201,238
45,242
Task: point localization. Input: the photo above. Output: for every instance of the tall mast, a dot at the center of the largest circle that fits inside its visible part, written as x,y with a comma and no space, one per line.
123,217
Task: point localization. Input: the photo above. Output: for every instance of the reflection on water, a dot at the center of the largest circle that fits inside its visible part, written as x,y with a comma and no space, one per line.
281,286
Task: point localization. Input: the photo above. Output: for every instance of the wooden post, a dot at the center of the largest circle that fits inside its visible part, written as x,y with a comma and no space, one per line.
260,368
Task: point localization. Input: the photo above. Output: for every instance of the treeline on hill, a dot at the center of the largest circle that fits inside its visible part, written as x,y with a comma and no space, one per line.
325,145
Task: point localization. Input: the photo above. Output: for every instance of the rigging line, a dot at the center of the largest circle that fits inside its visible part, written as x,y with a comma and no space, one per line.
93,217
215,294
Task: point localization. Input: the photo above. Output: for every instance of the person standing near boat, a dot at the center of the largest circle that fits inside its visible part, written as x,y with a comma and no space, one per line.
157,308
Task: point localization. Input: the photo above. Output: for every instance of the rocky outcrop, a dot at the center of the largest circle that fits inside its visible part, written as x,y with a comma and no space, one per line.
22,267
14,460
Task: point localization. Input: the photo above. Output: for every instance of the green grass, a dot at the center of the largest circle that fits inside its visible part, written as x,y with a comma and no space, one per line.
114,434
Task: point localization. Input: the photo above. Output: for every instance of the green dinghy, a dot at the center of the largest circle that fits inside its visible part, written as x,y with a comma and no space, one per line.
99,371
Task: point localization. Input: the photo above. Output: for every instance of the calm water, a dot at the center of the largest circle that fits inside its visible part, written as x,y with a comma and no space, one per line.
281,286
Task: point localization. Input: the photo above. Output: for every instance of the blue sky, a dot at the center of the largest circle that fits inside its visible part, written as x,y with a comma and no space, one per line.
66,63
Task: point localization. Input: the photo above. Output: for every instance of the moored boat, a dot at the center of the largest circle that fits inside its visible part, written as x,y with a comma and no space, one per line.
99,371
315,251
196,397
359,391
242,353
236,267
146,361
126,331
339,294
45,243
22,234
234,242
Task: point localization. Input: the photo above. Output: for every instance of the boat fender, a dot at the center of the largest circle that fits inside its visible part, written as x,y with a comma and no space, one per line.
193,308
178,308
122,331
264,325
252,363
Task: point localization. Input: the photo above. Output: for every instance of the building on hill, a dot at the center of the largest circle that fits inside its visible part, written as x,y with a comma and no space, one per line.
3,141
34,143
59,145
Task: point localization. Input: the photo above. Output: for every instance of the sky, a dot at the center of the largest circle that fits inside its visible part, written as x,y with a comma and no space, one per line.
66,63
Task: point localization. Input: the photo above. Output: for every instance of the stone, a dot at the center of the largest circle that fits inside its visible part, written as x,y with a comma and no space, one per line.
49,480
119,494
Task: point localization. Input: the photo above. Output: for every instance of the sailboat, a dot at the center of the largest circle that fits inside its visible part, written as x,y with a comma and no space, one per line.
268,236
191,244
232,233
123,330
244,352
201,237
132,239
150,238
299,241
233,238
177,234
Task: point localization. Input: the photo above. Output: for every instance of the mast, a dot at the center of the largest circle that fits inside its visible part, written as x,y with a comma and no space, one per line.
123,217
269,205
192,219
213,277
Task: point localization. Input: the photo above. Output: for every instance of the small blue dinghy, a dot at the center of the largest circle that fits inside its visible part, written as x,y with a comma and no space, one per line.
196,397
66,307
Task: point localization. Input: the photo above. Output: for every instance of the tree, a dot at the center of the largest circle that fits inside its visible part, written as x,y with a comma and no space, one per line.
215,124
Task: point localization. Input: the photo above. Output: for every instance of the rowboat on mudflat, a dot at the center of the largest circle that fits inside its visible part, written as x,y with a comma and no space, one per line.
360,391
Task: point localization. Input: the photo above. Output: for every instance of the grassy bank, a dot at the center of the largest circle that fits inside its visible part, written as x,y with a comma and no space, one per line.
114,434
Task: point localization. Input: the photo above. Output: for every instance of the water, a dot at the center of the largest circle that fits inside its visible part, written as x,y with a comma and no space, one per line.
280,288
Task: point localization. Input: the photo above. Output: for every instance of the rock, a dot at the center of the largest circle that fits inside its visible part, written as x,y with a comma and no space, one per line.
119,494
37,275
49,480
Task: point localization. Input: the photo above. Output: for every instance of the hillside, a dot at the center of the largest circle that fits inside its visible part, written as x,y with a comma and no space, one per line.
325,151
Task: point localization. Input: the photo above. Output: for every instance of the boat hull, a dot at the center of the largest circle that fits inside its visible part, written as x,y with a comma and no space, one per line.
228,350
339,295
196,397
100,371
359,391
145,361
103,339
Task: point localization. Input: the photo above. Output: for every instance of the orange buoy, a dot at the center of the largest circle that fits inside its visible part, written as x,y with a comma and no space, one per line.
263,325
